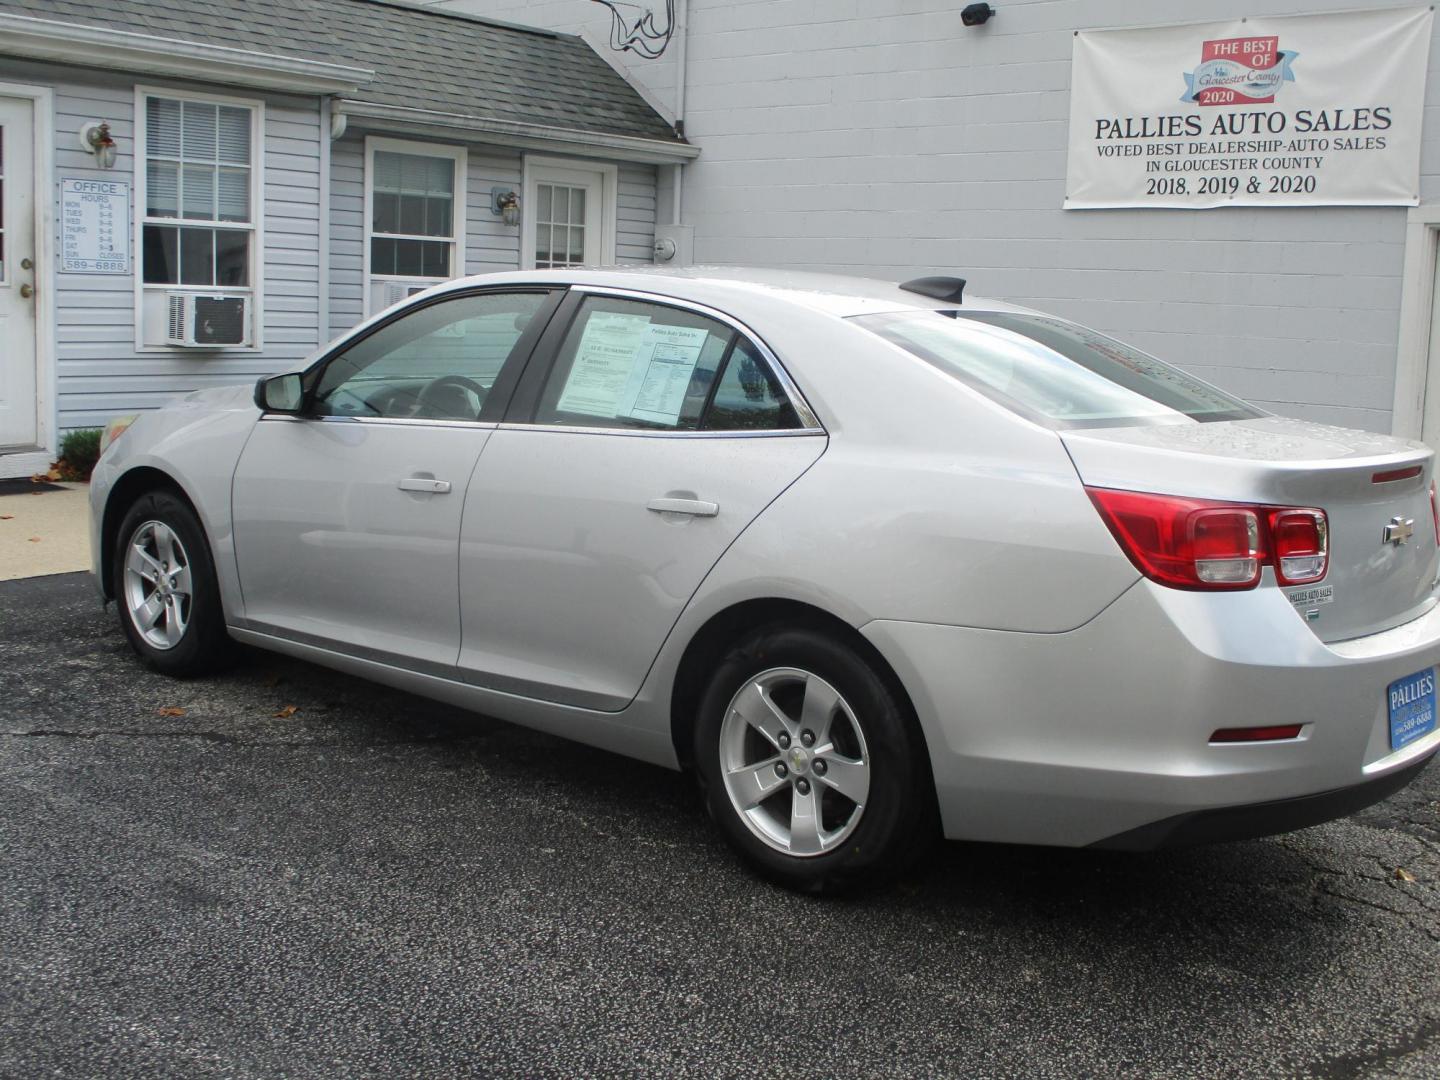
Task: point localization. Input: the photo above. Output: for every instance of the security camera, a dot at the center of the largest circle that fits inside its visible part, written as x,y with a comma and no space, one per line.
976,14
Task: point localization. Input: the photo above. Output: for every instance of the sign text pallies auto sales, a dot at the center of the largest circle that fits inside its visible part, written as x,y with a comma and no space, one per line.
1303,110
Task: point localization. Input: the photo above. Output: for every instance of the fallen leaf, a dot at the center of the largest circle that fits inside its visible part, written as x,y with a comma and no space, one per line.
170,710
1403,874
34,539
286,712
6,517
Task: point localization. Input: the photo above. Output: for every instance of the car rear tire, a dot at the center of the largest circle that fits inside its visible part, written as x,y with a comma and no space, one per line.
812,766
166,590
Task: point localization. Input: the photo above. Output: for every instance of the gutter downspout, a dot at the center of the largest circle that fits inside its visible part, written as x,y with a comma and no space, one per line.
682,13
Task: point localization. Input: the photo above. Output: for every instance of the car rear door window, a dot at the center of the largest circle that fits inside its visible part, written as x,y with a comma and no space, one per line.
646,366
749,396
633,364
437,362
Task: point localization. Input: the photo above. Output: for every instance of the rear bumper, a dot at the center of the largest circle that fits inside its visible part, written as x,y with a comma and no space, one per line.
1261,819
1080,738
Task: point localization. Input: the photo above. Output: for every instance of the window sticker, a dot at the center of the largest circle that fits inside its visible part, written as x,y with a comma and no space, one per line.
604,361
661,376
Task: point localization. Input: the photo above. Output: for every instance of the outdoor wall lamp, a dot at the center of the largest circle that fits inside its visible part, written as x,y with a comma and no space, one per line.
976,14
505,204
95,139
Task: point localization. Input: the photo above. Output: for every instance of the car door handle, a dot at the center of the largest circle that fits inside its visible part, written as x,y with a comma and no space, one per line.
693,507
425,484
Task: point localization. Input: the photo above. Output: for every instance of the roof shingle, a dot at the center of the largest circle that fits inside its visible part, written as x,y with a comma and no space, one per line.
423,58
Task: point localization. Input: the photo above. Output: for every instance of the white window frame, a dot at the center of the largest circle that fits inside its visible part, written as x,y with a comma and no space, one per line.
256,225
538,170
457,217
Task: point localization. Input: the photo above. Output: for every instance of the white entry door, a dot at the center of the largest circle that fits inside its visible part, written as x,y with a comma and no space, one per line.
18,418
569,214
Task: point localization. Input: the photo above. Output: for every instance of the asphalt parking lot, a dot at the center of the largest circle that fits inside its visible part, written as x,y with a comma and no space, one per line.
375,885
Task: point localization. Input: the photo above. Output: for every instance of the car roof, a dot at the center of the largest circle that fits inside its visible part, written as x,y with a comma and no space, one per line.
729,287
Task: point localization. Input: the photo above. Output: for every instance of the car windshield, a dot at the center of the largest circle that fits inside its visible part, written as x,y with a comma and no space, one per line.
1055,372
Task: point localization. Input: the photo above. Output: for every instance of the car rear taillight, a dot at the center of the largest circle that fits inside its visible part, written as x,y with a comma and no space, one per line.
1302,545
1202,544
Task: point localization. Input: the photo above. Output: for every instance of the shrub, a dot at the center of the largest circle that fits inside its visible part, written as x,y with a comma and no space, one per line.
79,450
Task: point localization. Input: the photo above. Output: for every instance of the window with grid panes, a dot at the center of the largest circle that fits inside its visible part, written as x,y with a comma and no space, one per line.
560,225
199,223
412,215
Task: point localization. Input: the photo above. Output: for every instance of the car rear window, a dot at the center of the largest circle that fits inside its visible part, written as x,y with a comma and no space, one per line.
1055,372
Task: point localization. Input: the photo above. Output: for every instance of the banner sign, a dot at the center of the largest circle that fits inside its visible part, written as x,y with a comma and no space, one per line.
1302,110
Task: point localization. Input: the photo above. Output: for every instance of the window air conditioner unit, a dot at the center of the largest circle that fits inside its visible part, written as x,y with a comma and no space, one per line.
206,321
384,294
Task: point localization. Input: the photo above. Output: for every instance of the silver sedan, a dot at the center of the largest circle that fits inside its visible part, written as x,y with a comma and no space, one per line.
874,562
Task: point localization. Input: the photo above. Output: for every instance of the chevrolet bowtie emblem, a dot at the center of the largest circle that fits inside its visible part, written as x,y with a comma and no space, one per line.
1399,530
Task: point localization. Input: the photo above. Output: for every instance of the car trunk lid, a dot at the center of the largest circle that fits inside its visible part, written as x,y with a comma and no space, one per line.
1373,582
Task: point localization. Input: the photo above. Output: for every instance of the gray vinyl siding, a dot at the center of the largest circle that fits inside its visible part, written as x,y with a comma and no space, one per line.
635,216
490,244
292,228
347,233
99,372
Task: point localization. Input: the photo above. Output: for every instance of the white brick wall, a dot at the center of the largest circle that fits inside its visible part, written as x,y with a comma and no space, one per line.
882,137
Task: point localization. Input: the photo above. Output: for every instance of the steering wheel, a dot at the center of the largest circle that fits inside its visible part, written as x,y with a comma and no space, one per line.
448,398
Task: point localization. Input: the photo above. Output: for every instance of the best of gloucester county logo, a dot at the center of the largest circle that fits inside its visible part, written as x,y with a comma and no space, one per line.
1239,71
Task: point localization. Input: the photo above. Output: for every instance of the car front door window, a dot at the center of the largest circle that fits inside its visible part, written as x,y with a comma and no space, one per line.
438,362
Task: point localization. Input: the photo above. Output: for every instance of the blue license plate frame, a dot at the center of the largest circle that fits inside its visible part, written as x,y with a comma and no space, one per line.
1411,704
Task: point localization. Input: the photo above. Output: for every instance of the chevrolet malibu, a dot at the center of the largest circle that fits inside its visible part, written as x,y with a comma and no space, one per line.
870,560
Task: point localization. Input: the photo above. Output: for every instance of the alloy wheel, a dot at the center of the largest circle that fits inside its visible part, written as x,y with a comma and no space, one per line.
158,590
794,760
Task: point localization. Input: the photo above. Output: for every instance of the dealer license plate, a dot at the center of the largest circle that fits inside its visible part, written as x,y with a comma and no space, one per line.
1412,707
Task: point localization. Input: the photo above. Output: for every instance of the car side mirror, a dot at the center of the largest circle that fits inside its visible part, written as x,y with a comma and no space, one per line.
279,394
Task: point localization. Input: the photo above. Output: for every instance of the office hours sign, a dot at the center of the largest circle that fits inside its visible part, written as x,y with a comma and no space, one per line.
1306,110
94,226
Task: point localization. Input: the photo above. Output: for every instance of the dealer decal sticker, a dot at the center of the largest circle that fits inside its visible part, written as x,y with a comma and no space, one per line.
1239,71
1316,594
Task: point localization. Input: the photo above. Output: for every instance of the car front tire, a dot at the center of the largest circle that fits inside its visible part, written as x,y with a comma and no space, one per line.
166,590
811,765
